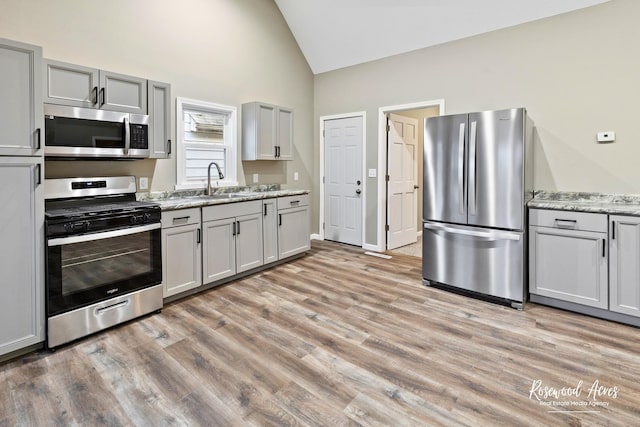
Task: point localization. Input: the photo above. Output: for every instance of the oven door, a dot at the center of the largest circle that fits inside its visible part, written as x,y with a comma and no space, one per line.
89,268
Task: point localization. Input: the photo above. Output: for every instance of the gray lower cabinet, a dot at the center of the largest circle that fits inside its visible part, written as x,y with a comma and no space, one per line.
181,251
293,225
79,86
568,257
159,109
21,114
21,253
624,264
270,230
232,239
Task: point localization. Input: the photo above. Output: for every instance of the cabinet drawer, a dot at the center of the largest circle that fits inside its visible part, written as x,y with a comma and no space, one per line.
230,210
180,217
293,201
568,220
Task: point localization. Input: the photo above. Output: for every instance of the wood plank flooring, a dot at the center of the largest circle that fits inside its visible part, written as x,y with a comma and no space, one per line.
336,338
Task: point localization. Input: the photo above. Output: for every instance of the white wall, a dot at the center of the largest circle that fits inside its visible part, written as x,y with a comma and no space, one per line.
222,51
577,74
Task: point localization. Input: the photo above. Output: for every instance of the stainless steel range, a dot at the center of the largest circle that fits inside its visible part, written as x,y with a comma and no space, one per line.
104,262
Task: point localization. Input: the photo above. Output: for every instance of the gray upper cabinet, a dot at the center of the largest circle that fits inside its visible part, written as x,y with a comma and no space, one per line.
624,263
159,108
21,115
21,253
78,86
267,132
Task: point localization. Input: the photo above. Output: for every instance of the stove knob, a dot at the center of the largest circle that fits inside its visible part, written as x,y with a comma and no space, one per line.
146,217
68,227
134,219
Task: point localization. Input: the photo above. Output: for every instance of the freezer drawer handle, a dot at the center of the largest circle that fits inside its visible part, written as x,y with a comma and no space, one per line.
491,235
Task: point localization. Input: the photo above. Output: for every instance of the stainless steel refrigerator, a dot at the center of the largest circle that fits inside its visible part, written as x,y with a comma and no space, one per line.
477,181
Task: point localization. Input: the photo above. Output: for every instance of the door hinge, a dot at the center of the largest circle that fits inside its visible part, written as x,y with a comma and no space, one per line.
323,179
386,227
388,127
387,178
323,133
323,225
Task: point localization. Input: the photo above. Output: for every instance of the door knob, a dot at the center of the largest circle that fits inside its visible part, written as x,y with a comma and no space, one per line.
415,187
358,182
358,191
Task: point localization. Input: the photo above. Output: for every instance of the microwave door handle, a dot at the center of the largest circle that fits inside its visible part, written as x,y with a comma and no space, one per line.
127,136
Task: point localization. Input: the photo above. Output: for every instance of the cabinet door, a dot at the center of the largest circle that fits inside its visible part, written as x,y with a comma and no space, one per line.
569,265
181,259
21,254
269,231
624,265
266,131
218,250
159,107
293,231
21,115
285,134
70,84
119,92
248,242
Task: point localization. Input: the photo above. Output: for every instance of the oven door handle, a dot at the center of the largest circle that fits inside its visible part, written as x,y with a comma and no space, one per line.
104,235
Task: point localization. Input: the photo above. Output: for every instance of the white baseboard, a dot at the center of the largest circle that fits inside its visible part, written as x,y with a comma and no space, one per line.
316,237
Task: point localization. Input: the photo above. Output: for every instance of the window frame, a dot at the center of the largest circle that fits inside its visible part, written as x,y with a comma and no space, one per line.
230,138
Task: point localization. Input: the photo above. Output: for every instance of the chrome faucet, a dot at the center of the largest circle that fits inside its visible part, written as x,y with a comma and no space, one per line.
220,175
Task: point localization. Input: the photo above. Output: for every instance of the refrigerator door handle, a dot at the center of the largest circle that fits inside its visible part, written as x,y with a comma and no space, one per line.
461,167
491,235
472,168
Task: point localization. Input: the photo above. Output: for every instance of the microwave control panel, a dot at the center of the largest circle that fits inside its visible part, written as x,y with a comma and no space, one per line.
139,138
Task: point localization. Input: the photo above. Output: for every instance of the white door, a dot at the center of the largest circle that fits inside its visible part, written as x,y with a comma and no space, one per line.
402,187
343,180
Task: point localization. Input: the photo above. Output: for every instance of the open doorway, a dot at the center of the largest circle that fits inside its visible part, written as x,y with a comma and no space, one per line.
401,140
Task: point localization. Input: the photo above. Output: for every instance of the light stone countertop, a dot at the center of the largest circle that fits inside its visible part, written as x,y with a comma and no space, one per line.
616,204
183,199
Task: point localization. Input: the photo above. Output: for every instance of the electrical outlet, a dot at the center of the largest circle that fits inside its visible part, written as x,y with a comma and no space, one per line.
373,173
255,178
606,136
144,183
295,176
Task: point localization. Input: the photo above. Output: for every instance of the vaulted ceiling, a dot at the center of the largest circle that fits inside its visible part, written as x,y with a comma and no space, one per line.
335,34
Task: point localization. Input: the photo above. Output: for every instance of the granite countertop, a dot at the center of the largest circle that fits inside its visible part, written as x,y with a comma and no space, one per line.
183,199
623,204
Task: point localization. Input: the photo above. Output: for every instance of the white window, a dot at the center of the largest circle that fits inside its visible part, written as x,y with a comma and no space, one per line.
206,133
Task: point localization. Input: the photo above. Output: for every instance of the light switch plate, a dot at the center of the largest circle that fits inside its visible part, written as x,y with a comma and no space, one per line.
295,176
255,178
373,173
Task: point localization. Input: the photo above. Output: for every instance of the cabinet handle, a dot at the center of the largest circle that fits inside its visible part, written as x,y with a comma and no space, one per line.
39,138
613,230
279,219
238,227
603,248
278,151
168,147
94,95
102,97
38,173
233,233
265,209
199,236
294,202
275,151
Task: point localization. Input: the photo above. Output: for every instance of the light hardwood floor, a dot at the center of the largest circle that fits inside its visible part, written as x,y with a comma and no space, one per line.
334,338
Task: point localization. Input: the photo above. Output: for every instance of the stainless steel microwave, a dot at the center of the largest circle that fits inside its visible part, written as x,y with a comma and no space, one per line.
72,132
